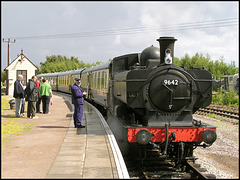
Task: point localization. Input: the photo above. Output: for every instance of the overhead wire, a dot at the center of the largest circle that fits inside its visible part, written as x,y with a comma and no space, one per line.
124,31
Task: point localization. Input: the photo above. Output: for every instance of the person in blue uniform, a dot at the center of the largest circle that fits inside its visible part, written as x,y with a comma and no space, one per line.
77,100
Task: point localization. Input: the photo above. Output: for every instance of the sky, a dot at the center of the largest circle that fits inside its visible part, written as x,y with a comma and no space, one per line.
97,30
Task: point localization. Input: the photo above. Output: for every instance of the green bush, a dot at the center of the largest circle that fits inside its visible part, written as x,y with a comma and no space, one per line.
226,98
230,98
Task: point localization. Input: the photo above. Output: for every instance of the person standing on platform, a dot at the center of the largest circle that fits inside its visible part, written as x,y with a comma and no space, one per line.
77,100
18,94
45,90
31,94
22,107
38,83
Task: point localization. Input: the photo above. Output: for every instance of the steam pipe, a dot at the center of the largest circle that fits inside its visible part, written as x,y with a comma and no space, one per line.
166,139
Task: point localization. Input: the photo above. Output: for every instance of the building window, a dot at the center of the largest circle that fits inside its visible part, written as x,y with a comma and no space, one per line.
24,73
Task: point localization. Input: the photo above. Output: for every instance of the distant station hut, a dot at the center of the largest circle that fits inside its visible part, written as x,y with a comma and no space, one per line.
21,65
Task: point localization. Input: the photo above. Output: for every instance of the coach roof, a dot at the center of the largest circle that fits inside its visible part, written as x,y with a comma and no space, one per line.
48,75
98,67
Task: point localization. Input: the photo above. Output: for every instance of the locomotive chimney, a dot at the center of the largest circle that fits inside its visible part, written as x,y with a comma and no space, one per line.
166,50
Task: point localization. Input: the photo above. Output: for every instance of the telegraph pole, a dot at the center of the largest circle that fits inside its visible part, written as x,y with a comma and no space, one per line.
9,41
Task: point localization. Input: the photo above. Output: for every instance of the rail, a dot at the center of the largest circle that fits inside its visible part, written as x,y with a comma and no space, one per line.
208,110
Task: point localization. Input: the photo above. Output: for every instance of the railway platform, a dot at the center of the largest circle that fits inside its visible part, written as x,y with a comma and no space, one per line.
54,149
90,152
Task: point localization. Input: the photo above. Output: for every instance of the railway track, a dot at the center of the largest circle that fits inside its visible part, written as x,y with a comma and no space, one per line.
225,111
161,168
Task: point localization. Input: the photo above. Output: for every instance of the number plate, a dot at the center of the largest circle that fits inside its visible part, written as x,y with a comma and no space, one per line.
169,82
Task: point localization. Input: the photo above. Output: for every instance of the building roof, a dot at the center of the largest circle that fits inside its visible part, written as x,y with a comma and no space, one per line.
18,58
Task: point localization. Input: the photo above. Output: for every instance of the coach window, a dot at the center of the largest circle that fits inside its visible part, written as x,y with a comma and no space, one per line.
102,80
105,84
95,80
99,80
92,80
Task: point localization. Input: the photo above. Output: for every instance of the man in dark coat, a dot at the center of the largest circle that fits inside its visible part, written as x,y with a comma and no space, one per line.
77,100
18,94
31,92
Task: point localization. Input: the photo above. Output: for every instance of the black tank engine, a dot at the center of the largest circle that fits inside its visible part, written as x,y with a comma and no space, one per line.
156,100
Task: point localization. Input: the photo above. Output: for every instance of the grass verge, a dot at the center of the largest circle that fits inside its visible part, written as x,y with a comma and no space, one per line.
11,126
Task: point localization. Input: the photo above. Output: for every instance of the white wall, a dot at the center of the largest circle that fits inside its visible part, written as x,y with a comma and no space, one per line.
19,65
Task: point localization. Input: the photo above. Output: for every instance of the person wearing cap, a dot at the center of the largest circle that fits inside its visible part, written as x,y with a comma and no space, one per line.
77,100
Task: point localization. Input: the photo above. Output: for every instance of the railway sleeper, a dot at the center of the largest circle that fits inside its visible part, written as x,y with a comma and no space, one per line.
195,171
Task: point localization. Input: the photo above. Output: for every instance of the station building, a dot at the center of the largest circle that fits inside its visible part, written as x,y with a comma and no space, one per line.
20,65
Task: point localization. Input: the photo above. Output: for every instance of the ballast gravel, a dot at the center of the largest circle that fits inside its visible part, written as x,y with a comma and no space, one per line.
222,158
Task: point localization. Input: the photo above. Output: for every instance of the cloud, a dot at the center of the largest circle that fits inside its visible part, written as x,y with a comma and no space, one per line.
117,40
69,10
77,17
219,41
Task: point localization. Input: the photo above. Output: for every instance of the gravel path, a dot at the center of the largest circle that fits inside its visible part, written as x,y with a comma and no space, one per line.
222,158
35,150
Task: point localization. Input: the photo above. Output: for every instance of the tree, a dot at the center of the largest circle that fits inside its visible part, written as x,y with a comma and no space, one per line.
58,63
217,68
3,76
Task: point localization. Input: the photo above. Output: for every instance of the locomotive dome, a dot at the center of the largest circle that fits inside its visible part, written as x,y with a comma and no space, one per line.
151,52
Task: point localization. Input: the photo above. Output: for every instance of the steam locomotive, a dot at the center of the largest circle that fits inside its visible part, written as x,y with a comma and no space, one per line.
149,101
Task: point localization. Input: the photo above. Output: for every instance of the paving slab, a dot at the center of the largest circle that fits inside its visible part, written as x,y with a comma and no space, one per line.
85,152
